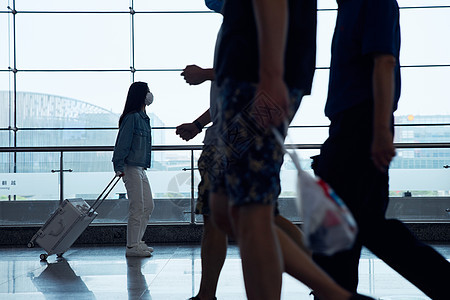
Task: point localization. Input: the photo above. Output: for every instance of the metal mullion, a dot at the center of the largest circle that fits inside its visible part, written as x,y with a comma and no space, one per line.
401,7
177,69
427,66
61,177
132,67
185,11
397,125
67,128
425,7
192,204
14,89
159,70
70,12
14,85
197,147
176,12
73,71
422,124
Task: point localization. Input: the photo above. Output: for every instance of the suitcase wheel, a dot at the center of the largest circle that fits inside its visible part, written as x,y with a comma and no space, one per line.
30,245
43,256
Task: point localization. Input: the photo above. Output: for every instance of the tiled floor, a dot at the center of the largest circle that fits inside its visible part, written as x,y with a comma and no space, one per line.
173,272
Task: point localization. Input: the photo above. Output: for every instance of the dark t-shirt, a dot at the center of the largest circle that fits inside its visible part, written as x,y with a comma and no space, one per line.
238,50
363,28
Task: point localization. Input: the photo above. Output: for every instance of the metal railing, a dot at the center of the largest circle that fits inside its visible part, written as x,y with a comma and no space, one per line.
192,148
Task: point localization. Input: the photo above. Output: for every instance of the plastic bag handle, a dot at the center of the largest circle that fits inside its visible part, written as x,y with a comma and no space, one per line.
292,154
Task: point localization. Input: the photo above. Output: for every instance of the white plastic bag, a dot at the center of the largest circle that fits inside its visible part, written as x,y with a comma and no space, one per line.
328,225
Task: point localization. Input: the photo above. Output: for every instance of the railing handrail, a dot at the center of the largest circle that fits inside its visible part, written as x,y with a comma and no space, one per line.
193,147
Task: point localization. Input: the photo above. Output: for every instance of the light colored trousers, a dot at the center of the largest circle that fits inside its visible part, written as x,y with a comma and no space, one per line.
140,205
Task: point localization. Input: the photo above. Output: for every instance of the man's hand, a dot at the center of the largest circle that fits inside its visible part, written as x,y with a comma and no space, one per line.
187,131
271,106
383,150
120,174
194,75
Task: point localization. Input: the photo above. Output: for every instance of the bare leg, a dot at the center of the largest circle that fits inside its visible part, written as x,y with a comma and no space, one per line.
299,265
260,251
296,262
214,250
292,231
220,213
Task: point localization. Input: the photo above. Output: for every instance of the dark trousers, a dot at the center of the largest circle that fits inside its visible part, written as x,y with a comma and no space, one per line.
345,163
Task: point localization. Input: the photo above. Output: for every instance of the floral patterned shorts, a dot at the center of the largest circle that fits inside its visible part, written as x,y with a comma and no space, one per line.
250,154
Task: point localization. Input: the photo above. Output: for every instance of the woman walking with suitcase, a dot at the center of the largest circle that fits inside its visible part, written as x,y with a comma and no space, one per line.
131,158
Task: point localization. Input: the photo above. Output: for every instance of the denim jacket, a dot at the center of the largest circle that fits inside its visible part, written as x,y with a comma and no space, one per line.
134,142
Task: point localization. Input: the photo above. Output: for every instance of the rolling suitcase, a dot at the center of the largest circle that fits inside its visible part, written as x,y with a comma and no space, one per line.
67,223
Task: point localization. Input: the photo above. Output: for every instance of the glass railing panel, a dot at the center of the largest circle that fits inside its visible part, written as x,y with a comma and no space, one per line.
420,185
31,194
169,177
30,188
420,173
287,202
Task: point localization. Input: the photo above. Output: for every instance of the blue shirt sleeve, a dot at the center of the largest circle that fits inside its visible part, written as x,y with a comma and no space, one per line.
381,18
123,143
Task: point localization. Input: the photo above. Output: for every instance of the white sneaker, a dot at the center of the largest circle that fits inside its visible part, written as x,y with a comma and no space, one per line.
143,246
137,251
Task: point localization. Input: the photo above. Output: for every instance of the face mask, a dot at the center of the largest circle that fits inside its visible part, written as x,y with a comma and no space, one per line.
215,5
149,98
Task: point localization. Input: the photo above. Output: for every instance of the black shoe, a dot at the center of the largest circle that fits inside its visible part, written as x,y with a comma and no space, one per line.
197,298
360,297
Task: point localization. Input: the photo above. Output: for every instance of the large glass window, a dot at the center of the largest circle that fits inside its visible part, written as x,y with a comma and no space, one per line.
72,41
174,40
65,68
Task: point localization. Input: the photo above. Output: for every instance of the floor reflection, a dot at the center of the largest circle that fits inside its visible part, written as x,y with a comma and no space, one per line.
136,284
59,281
102,272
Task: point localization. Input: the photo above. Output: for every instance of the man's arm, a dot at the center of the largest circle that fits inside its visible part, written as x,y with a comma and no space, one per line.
123,144
188,131
271,20
194,75
383,91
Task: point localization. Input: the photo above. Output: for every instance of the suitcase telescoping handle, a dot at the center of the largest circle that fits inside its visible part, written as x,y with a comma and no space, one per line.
104,194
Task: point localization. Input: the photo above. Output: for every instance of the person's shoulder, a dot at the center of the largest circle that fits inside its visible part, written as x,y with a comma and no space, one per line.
129,117
133,114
